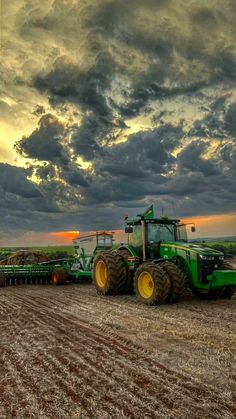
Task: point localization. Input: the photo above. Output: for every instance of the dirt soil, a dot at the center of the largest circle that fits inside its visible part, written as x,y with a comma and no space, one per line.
68,353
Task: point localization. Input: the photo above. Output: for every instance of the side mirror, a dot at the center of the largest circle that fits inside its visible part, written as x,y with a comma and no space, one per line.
128,230
193,229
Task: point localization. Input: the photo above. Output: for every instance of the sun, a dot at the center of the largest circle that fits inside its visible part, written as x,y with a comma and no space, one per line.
65,236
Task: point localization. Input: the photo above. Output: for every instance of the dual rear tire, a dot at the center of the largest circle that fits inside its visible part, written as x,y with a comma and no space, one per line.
109,273
154,284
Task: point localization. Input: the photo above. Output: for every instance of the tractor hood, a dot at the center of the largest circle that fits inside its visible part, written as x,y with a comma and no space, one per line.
205,251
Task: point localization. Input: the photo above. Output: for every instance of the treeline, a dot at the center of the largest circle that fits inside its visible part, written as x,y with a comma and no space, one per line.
58,254
4,254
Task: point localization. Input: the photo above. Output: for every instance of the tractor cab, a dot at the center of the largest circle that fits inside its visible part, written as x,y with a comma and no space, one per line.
146,235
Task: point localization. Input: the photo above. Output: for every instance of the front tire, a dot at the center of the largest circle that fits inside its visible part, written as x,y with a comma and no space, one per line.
152,284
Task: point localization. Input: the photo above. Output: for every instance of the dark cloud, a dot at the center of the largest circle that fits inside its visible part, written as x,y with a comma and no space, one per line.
142,154
161,70
219,121
13,180
175,62
230,120
45,142
67,82
85,138
191,159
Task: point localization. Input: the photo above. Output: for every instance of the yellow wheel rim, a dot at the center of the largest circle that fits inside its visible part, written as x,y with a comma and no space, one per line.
145,285
101,274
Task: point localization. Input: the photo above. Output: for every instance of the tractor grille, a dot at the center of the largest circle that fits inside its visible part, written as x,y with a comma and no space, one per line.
208,266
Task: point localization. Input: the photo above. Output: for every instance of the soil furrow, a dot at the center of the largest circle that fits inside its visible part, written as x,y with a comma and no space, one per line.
114,357
178,379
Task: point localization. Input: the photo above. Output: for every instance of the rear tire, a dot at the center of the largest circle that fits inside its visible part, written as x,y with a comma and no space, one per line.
2,280
129,283
109,273
152,284
176,279
59,276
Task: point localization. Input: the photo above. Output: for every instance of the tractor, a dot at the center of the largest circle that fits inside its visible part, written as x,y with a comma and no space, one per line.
158,264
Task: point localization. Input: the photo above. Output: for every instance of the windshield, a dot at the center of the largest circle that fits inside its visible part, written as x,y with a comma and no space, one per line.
182,233
104,241
164,232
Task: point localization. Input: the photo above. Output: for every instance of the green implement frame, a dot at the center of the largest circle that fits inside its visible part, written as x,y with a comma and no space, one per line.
27,274
60,271
87,247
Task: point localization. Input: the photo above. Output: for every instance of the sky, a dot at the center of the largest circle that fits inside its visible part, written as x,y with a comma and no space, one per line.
109,106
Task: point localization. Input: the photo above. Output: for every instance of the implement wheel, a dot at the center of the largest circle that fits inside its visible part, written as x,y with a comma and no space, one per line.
2,279
59,276
109,273
129,284
152,284
176,280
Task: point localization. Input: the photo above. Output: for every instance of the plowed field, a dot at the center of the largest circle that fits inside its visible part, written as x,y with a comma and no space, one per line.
68,353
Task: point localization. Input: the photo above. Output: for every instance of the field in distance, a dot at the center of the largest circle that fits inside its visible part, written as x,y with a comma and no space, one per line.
54,252
52,249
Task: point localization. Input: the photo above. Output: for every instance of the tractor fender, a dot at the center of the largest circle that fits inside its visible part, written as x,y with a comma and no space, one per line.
130,249
159,260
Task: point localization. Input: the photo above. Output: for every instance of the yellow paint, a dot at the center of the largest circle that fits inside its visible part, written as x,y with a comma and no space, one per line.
145,285
101,274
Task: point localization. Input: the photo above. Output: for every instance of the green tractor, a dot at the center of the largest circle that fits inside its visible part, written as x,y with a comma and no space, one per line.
158,263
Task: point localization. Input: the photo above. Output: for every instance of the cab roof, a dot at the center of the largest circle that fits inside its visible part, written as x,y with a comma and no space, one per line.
137,221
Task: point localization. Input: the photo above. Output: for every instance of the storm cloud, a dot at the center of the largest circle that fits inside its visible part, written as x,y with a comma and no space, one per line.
121,104
14,180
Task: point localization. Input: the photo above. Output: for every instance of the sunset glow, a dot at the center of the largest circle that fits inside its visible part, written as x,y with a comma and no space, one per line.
63,237
205,227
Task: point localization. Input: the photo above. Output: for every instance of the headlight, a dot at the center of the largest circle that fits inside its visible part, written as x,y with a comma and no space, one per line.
207,257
